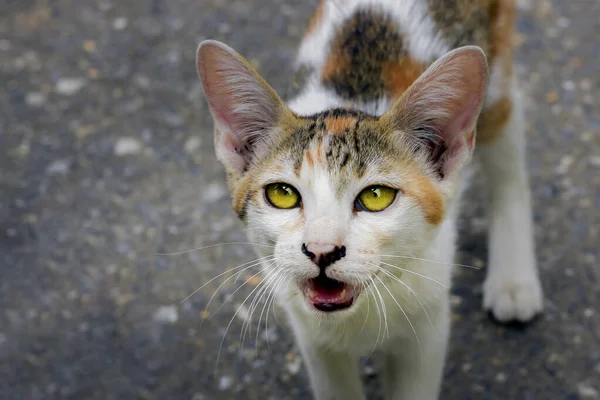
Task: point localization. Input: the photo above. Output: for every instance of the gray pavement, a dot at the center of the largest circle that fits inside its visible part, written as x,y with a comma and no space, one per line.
106,159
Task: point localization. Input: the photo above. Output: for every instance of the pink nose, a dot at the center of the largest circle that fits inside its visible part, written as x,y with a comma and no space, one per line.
323,254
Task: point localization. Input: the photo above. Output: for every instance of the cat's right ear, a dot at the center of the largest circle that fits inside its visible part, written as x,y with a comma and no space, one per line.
245,109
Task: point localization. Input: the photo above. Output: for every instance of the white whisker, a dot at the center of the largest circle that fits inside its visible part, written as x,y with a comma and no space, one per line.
226,272
430,261
213,245
232,319
408,319
392,276
414,273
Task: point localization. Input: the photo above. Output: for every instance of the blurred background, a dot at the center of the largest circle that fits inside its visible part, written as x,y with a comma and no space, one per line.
106,159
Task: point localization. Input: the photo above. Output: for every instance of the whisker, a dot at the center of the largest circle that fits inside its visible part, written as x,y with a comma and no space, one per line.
268,299
247,326
231,321
430,261
415,273
383,308
224,273
213,245
230,296
408,319
392,276
380,320
368,309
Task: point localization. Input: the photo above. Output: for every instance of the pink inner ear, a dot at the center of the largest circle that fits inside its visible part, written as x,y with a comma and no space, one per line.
217,94
465,123
229,150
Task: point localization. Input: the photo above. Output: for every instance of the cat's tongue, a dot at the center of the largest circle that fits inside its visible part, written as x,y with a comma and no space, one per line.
328,294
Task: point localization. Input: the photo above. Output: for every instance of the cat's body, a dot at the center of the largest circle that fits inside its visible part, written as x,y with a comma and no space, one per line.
357,181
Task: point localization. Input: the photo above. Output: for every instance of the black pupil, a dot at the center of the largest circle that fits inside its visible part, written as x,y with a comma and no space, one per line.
286,190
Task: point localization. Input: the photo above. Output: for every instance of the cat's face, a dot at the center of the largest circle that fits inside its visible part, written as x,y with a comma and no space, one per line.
337,191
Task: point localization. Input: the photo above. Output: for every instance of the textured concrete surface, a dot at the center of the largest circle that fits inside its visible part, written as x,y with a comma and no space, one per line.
106,159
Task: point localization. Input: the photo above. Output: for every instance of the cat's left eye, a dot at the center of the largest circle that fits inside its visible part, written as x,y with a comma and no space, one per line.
282,195
375,198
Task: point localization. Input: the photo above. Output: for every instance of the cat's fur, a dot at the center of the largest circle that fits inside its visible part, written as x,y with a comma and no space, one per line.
377,108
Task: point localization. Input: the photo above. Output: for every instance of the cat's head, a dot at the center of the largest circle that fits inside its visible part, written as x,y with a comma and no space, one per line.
336,191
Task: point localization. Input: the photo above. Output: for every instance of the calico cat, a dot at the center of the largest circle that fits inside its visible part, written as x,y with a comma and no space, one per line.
356,181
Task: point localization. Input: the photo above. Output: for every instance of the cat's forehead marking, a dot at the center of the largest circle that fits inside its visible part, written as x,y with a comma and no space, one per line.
343,142
336,125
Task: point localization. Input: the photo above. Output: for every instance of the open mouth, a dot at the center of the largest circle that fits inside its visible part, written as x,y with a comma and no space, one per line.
327,294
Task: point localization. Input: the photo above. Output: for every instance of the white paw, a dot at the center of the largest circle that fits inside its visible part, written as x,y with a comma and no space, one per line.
512,298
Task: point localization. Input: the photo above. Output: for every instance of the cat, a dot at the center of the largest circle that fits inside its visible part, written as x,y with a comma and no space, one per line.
356,181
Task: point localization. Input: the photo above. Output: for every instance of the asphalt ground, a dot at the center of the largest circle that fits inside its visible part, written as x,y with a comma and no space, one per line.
106,159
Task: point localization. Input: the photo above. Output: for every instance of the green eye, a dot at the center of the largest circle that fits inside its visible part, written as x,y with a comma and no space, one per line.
282,195
375,198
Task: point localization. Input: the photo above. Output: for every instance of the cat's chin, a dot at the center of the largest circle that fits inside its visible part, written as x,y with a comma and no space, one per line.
328,295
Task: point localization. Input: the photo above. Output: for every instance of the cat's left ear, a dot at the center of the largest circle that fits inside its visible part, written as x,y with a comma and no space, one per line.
439,111
245,109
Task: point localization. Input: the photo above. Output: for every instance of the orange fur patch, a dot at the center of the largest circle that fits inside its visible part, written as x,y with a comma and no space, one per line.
337,125
320,158
333,64
398,76
421,188
316,18
309,159
240,194
492,119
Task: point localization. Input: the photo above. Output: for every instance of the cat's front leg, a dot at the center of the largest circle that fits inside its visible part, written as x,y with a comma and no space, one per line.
413,372
512,289
333,375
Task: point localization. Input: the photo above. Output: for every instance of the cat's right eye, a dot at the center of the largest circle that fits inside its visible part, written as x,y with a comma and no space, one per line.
282,195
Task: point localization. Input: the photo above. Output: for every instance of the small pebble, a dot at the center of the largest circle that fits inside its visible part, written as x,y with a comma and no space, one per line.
564,165
225,382
293,366
142,81
569,86
127,146
243,312
192,144
587,392
455,300
563,22
58,167
586,84
35,99
89,46
588,313
213,192
2,338
369,371
552,97
270,335
69,86
595,161
166,314
501,377
120,23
